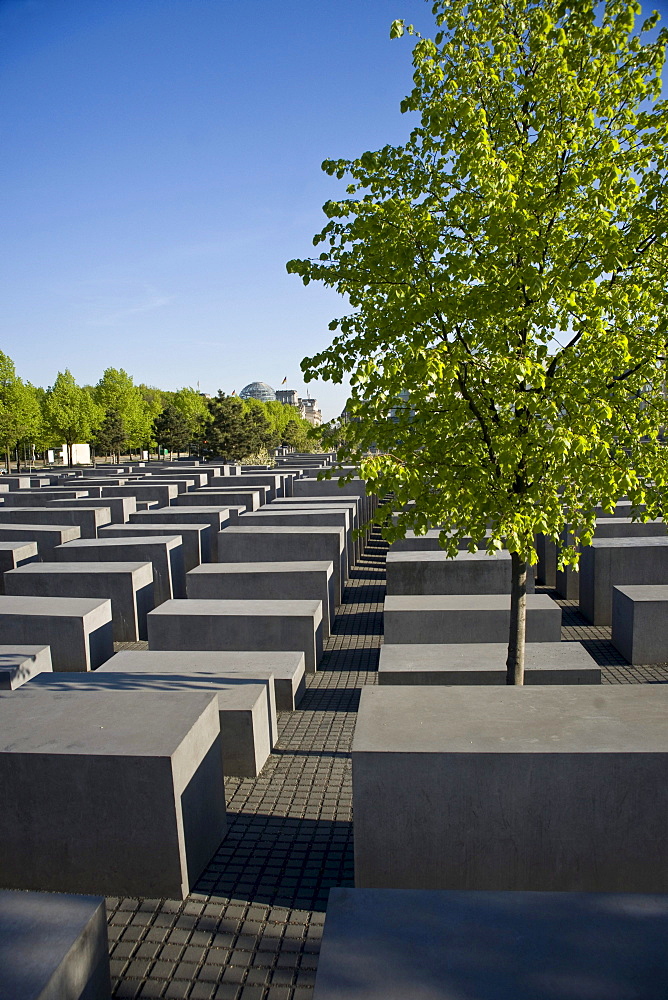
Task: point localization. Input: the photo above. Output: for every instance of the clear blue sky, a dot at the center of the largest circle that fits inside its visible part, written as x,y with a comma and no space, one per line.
160,164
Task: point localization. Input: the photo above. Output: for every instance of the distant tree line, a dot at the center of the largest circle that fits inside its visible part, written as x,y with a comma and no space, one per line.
117,417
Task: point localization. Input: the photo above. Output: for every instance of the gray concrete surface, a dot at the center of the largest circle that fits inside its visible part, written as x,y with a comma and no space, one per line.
164,552
53,947
485,663
78,630
239,625
88,519
386,944
424,572
527,788
611,562
128,585
640,623
20,663
13,554
250,499
86,773
216,517
467,618
196,538
47,537
267,581
119,507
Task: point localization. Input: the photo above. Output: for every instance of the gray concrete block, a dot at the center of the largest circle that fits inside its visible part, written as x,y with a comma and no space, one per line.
485,663
349,504
300,517
239,625
40,498
535,788
285,670
216,517
13,554
467,618
164,552
20,663
624,527
391,944
611,562
88,519
47,536
297,544
164,494
249,499
423,572
128,585
53,947
120,508
277,485
78,630
116,793
640,623
246,706
426,543
196,538
267,581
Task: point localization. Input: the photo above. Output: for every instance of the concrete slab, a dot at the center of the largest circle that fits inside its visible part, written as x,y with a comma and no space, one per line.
85,773
119,507
196,538
246,706
128,585
78,630
256,544
391,944
467,618
485,663
13,554
265,626
640,623
267,581
611,562
289,517
523,788
164,494
249,499
415,572
20,663
216,517
164,552
88,519
47,537
285,670
53,947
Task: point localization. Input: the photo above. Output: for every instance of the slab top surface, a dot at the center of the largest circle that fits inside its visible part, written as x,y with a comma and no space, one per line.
52,607
274,609
438,556
465,602
481,656
528,719
91,543
204,661
645,592
635,542
305,566
73,716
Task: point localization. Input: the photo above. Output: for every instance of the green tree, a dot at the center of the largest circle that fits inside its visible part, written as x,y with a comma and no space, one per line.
193,407
171,430
20,415
506,269
70,412
116,391
111,436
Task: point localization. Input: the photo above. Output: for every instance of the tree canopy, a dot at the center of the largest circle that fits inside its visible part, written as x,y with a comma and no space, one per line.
506,271
70,412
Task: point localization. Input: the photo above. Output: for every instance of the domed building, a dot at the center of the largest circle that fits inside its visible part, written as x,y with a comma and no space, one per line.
258,390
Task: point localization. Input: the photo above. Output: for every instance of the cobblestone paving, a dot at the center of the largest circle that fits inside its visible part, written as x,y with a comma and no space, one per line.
252,928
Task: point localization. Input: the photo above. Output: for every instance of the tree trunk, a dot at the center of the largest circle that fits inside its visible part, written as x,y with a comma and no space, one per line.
518,621
7,461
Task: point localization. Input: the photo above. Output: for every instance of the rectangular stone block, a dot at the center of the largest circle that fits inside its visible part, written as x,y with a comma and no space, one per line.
216,517
128,585
611,562
267,517
164,494
40,498
46,536
527,788
88,519
242,625
485,663
423,572
285,670
20,663
275,484
78,630
467,618
249,499
640,623
257,544
164,552
386,944
120,508
196,538
13,554
53,947
350,505
110,792
266,581
246,707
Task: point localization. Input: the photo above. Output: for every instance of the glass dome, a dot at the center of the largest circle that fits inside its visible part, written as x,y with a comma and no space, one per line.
258,390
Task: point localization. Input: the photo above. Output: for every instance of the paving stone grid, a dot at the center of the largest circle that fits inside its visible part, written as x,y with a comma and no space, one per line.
252,928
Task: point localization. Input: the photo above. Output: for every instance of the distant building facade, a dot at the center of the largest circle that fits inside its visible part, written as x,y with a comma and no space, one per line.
258,390
307,408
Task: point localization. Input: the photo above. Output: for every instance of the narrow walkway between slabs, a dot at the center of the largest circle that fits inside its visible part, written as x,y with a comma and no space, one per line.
252,928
